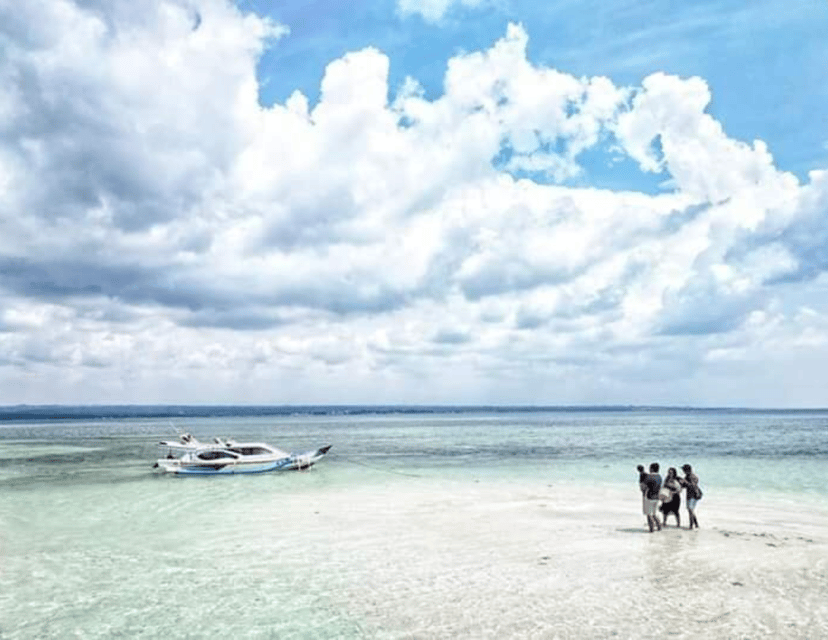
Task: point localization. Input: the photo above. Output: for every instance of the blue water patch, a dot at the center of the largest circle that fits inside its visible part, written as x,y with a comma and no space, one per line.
70,445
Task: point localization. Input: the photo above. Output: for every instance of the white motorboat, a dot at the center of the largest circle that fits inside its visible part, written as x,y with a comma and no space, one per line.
228,457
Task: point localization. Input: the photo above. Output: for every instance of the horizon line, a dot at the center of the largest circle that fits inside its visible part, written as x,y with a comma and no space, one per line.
404,405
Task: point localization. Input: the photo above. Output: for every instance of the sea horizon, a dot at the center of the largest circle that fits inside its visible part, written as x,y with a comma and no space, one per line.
86,411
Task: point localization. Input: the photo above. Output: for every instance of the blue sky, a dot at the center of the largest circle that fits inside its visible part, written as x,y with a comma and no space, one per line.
414,201
765,62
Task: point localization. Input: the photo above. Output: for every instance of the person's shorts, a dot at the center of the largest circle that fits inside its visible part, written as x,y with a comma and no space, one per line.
651,506
691,503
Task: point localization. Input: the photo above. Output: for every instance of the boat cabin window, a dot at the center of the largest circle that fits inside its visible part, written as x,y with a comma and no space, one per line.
251,451
215,455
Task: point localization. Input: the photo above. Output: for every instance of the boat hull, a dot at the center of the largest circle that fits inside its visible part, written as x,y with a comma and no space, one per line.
293,462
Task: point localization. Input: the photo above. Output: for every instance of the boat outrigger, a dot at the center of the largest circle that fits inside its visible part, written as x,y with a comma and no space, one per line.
225,456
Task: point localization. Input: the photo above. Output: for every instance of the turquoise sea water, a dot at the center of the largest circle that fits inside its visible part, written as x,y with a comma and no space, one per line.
94,544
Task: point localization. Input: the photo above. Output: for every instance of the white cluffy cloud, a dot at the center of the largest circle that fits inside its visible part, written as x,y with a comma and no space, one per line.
433,10
165,237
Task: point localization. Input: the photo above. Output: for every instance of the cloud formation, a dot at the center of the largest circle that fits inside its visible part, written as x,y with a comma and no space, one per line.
433,10
161,230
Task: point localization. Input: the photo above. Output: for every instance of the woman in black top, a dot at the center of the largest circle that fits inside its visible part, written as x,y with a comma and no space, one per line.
672,504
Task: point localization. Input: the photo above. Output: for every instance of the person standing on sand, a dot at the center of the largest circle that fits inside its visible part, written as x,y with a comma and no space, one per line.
651,483
641,475
673,503
694,493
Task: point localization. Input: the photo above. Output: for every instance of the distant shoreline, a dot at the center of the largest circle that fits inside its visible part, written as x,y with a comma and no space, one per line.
120,411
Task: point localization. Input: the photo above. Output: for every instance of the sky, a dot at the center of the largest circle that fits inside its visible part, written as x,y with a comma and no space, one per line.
550,202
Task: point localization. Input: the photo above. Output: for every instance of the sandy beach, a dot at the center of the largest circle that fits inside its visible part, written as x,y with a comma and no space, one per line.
545,562
418,557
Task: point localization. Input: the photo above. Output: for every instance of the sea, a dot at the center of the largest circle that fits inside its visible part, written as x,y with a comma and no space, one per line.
422,522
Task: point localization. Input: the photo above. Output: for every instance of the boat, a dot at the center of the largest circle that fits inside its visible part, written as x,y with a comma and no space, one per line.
226,456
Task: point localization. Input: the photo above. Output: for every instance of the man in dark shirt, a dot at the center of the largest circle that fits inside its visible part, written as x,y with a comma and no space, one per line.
650,484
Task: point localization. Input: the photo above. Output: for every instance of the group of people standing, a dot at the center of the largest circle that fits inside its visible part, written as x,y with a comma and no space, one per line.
666,496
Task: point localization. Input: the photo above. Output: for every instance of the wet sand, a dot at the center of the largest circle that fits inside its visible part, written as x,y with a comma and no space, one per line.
544,562
390,556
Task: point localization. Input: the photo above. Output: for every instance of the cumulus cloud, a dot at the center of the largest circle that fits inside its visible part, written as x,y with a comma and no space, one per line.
433,10
157,223
805,237
670,111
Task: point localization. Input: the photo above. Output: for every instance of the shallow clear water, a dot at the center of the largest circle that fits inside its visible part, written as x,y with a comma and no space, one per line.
434,525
